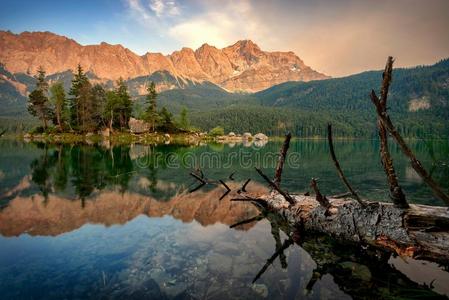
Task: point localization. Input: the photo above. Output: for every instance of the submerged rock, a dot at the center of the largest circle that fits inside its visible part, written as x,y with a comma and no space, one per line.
260,137
260,289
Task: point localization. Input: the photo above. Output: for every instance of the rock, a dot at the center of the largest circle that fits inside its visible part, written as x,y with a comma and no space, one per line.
260,137
247,136
89,134
260,289
106,132
231,134
167,136
138,126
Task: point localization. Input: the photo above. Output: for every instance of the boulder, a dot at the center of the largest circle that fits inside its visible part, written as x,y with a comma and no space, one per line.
260,137
138,126
106,132
231,134
247,136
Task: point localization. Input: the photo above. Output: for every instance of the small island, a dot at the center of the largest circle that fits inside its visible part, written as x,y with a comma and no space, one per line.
90,113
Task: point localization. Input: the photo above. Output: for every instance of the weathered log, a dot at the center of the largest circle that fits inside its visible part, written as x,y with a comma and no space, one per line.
421,231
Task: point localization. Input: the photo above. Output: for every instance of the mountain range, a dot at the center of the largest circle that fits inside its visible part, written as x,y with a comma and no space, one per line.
275,98
242,66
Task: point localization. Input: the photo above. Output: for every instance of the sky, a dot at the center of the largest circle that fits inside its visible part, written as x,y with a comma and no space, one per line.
337,37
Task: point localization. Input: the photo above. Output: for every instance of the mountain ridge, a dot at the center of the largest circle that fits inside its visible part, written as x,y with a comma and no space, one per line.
242,66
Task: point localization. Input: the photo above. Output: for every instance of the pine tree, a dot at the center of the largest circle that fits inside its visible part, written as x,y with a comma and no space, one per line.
98,103
124,103
152,115
184,122
79,81
58,101
38,104
166,121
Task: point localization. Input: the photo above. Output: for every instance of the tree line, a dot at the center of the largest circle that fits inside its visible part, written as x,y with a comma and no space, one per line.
90,107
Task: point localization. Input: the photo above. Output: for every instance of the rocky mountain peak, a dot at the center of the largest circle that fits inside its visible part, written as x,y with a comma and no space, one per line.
242,66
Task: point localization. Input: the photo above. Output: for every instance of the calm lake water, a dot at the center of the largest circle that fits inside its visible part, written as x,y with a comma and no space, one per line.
101,222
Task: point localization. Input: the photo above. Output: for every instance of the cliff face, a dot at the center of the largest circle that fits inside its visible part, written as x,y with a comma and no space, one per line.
240,67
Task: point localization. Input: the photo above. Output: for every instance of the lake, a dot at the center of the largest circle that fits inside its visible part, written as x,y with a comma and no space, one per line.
102,222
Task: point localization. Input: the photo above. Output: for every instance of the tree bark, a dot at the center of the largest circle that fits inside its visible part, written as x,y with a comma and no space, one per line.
421,231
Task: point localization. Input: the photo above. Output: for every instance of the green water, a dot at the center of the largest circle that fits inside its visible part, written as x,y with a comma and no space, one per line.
101,222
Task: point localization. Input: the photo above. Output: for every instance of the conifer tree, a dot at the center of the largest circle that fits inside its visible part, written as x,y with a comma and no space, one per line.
38,104
58,100
152,115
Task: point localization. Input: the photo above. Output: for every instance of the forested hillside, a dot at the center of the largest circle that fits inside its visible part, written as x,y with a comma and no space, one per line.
418,103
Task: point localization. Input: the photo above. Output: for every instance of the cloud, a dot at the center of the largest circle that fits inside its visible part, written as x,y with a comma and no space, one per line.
335,37
221,23
163,8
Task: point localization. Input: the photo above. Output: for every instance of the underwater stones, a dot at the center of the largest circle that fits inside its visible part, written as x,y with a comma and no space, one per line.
220,263
260,289
362,272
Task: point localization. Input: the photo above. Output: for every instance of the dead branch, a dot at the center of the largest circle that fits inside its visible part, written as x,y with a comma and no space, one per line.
415,163
337,165
250,220
342,195
281,161
243,188
274,186
287,243
201,180
396,193
228,190
322,200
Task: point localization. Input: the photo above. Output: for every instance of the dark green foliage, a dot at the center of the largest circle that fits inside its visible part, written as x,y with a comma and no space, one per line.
118,108
38,104
166,123
217,131
151,114
184,122
58,100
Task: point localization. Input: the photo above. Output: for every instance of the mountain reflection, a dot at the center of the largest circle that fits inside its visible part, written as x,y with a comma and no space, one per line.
53,215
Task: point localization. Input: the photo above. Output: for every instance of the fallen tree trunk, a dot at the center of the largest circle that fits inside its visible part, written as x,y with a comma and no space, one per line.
421,231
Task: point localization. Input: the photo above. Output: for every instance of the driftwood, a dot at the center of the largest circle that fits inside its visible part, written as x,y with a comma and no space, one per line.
418,231
387,124
396,193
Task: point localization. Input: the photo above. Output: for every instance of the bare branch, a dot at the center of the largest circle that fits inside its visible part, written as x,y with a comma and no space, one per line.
337,165
286,196
322,200
287,243
243,188
228,190
281,161
250,220
388,124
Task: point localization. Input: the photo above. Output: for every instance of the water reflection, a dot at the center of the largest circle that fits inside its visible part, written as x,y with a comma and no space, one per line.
97,222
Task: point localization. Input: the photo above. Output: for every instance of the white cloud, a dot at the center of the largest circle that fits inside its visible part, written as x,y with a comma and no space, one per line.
164,8
221,24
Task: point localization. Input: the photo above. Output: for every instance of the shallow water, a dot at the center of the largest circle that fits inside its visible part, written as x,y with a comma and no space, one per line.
96,222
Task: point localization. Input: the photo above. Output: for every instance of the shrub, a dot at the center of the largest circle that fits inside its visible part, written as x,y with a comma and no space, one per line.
217,131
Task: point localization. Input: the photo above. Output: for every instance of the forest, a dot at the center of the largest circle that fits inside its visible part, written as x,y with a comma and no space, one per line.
89,107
